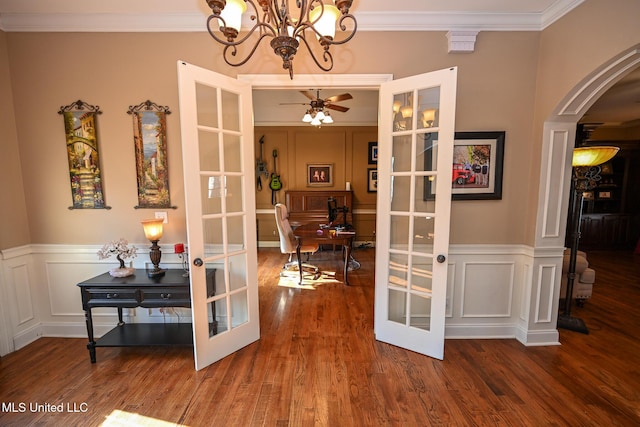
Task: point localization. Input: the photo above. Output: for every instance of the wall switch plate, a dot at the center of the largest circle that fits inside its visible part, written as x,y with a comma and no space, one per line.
164,216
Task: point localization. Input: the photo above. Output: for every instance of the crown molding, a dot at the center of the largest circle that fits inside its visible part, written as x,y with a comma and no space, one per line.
367,21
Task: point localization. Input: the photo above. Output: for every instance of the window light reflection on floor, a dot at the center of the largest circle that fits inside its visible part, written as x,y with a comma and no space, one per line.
119,418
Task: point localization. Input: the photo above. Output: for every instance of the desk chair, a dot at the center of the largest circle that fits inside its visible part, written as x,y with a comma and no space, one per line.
288,244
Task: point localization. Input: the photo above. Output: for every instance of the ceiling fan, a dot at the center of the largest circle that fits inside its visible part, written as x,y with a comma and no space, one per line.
319,104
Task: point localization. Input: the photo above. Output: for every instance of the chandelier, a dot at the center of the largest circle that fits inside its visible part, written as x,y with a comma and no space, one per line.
314,24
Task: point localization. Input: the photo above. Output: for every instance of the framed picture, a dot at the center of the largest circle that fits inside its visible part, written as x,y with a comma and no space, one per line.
150,142
319,174
372,185
373,153
477,166
83,154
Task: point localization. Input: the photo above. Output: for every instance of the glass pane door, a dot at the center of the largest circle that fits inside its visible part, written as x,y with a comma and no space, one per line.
415,153
217,141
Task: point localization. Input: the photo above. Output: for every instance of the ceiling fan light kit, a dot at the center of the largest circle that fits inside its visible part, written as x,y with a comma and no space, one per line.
314,24
318,113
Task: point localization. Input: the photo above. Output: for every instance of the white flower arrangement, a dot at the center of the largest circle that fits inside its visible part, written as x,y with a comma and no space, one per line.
120,248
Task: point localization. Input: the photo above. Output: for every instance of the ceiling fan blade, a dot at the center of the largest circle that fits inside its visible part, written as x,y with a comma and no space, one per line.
294,103
308,94
337,108
338,98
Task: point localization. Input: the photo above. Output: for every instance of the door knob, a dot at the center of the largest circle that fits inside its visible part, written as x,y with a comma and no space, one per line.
441,258
198,262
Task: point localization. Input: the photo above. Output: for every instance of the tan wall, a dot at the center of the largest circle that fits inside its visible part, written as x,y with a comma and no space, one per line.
508,78
571,49
114,71
14,230
345,148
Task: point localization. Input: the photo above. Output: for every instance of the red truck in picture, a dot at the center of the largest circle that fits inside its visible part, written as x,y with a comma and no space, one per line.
461,175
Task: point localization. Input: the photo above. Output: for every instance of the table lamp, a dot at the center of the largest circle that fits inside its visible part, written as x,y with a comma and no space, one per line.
153,232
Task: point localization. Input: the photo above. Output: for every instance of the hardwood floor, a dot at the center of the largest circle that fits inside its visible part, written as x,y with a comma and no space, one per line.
317,363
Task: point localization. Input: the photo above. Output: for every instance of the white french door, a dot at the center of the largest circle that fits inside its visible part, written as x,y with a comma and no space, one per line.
415,156
217,151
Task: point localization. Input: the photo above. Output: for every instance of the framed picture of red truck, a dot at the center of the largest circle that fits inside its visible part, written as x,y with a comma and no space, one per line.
477,166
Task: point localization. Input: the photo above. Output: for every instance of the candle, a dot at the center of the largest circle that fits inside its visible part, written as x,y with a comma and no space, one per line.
178,248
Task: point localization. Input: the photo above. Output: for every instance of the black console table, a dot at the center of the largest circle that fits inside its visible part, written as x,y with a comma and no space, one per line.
138,290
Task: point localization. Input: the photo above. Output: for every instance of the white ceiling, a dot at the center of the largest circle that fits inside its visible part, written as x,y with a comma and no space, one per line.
620,106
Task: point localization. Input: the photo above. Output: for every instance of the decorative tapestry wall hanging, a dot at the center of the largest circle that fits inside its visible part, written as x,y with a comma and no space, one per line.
80,127
150,139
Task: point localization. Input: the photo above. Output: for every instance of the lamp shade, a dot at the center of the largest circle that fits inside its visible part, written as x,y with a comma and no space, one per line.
324,20
152,228
232,13
593,156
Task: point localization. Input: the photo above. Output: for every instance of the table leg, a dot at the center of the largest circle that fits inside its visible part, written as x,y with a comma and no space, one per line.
347,256
120,321
299,260
91,345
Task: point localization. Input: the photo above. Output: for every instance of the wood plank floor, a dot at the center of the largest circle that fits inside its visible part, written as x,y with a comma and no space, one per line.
317,363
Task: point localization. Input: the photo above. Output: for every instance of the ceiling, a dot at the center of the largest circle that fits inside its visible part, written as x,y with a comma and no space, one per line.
620,106
190,15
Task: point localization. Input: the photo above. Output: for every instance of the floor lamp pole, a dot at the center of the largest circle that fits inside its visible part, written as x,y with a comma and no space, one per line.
565,320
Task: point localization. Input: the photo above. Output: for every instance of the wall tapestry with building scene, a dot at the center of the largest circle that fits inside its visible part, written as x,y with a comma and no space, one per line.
80,127
150,140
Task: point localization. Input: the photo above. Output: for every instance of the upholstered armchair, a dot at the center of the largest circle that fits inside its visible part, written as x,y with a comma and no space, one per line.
585,278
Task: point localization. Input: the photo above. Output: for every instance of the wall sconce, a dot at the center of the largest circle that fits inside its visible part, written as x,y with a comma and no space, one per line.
153,232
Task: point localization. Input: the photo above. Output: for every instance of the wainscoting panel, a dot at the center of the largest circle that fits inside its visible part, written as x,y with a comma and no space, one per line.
494,291
487,289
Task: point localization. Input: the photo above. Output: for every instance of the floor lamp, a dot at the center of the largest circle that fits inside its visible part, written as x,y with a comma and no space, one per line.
585,176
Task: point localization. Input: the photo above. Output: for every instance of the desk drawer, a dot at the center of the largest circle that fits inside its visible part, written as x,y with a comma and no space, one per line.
166,297
110,297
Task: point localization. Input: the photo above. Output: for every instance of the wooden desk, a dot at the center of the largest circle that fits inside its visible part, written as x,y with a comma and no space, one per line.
138,290
313,233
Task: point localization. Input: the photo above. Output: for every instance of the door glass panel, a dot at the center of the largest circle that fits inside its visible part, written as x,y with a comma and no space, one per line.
428,107
423,233
422,274
234,194
230,111
397,306
403,111
209,150
399,231
206,105
232,153
426,152
213,190
237,274
217,317
239,309
401,154
235,232
398,268
425,197
212,233
400,193
420,312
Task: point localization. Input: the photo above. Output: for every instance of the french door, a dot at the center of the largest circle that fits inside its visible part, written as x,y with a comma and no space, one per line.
217,152
415,155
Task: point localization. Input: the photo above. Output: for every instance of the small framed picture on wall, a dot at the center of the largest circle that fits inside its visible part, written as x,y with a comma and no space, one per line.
319,174
372,185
